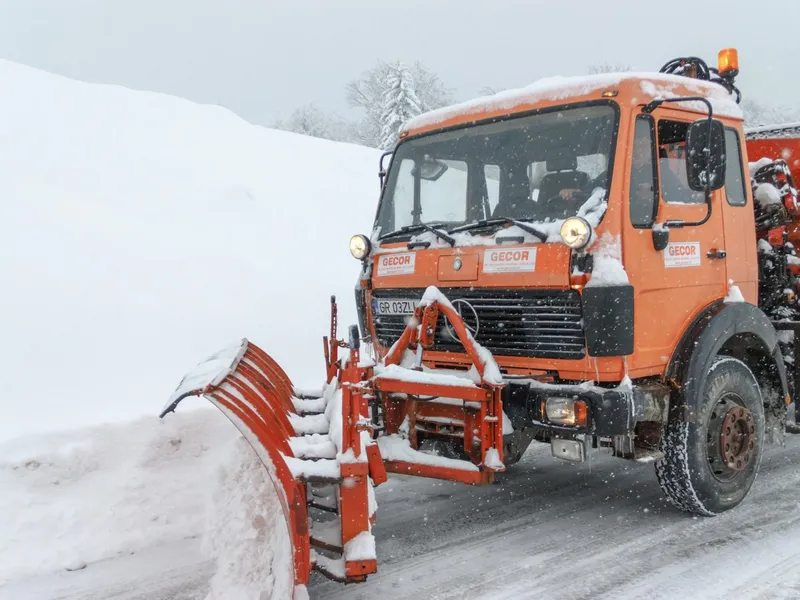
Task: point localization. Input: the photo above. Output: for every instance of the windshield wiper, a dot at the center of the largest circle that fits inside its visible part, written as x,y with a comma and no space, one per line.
502,221
410,228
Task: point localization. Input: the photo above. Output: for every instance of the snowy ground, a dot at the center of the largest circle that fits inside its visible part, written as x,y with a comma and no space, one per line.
601,530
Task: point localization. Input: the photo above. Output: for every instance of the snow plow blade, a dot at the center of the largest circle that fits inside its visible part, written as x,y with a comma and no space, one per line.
324,452
315,463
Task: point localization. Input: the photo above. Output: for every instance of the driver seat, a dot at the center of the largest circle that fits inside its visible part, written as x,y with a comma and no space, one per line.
562,174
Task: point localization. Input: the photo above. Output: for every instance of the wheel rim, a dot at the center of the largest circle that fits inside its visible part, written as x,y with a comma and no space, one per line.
732,440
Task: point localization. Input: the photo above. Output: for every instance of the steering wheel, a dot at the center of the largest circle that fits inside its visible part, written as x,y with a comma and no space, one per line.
556,204
576,195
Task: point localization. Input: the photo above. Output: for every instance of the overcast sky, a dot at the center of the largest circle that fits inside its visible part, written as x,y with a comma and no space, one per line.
262,58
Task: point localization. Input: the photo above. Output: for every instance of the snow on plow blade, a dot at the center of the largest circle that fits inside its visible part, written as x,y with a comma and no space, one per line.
324,452
315,464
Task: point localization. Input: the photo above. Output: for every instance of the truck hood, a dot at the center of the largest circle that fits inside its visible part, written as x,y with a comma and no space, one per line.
518,265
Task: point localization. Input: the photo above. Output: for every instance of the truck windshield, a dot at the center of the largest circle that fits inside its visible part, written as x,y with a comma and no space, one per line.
537,168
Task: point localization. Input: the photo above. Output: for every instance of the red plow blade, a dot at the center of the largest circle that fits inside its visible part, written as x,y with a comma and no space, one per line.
312,461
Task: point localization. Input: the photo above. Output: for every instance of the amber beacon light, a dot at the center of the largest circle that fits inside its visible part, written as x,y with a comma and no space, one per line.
728,62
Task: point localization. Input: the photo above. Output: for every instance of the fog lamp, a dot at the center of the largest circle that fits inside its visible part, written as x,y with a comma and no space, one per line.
566,411
359,246
576,232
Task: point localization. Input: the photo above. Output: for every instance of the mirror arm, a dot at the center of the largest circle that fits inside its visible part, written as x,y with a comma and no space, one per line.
654,104
381,169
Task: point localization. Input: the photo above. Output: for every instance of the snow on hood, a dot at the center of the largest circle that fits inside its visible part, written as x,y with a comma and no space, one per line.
561,88
592,210
608,269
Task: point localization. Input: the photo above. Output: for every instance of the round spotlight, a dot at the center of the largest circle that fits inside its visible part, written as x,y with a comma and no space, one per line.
359,246
576,232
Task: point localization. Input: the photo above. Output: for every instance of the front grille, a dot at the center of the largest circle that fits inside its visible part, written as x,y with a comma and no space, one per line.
527,323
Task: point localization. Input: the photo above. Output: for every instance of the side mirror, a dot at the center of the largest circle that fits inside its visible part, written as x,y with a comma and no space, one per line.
705,155
430,169
660,237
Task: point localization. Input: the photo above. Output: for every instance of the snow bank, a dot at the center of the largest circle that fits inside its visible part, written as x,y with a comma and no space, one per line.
144,232
247,533
72,499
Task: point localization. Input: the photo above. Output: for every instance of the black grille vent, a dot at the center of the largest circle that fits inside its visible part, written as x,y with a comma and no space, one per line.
528,323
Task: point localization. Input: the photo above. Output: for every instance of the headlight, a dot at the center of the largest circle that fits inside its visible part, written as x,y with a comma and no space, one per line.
359,246
566,411
576,232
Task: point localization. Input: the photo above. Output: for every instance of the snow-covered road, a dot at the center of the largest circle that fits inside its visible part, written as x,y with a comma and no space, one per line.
548,529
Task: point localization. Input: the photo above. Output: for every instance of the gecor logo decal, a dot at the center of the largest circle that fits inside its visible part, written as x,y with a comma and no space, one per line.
396,264
509,261
682,254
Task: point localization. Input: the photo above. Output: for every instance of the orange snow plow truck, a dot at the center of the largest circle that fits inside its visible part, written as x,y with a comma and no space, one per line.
597,262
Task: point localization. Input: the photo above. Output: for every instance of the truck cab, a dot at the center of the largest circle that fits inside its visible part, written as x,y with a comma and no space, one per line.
597,235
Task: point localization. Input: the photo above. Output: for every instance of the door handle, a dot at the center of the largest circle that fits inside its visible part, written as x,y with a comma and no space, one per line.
717,254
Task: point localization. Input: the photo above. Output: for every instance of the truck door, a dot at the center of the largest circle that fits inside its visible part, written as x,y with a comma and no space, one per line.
674,284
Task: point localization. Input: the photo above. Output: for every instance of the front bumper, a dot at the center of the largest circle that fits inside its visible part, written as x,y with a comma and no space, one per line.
611,411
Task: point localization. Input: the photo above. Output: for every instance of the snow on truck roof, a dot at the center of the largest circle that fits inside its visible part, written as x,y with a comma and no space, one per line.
651,86
776,130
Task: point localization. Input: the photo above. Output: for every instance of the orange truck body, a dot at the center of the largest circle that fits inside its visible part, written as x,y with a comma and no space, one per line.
667,299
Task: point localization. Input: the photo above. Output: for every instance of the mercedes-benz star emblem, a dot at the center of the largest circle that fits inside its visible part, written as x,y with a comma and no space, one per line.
457,264
468,314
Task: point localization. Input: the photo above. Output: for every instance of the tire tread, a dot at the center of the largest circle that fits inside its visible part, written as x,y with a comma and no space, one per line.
673,471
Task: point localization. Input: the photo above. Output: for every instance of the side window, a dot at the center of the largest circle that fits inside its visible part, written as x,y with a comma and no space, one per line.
643,192
734,177
672,164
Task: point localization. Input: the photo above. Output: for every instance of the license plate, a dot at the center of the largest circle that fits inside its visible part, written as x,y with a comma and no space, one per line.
394,307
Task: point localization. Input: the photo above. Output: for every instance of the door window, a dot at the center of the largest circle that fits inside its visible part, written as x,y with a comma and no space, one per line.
734,177
672,164
644,190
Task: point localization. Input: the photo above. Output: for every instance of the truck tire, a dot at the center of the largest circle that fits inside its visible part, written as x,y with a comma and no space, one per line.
710,464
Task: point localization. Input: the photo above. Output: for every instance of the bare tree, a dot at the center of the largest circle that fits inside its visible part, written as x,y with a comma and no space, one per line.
606,67
310,120
368,93
756,113
488,90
